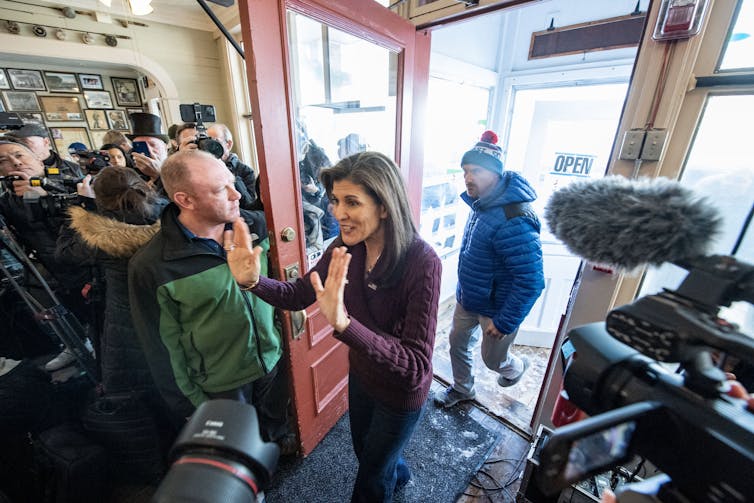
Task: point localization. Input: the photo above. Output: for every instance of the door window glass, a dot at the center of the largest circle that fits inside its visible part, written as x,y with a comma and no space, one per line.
563,134
344,95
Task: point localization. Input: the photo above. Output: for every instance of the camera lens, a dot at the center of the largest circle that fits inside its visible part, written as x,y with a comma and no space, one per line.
212,146
203,477
219,456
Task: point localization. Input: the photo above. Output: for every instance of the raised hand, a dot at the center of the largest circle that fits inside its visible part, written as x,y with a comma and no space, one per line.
243,260
330,296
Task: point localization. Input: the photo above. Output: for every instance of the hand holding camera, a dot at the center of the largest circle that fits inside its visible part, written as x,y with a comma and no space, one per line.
22,184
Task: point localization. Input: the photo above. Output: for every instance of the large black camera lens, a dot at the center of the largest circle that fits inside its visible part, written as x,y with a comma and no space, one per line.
210,145
219,456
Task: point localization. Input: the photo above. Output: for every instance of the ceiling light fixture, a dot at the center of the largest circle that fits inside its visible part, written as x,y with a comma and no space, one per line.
107,3
140,7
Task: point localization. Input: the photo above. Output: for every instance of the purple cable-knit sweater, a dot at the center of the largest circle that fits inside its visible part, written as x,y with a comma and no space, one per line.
392,331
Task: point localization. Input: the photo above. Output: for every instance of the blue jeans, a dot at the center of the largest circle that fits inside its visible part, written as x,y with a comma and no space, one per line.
467,327
379,434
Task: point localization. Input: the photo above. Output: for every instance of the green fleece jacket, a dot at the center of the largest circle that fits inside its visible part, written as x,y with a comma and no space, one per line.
200,332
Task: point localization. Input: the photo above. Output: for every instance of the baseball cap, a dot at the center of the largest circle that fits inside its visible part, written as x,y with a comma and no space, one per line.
76,146
31,130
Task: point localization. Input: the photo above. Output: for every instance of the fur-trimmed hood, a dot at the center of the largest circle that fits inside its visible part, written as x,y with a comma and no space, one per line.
117,239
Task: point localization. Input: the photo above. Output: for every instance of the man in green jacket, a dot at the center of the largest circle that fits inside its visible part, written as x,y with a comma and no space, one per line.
203,336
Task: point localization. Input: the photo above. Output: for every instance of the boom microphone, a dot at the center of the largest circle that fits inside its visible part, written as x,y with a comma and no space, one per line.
627,223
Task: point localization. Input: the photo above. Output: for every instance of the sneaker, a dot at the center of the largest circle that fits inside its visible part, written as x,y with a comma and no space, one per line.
506,382
288,445
450,397
64,359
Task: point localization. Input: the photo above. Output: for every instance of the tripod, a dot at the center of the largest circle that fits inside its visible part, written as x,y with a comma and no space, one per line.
55,317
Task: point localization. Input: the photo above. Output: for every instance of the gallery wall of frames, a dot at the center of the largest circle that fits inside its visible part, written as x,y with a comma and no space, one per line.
75,106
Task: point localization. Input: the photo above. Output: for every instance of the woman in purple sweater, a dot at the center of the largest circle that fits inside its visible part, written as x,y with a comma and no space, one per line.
378,285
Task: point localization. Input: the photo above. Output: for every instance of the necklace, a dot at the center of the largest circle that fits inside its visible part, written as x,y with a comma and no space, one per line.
370,267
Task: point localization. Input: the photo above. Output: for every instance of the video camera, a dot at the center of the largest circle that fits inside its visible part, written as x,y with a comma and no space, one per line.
219,456
682,422
197,113
93,161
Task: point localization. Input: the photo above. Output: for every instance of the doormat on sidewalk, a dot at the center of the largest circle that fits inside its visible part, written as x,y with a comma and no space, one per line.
446,450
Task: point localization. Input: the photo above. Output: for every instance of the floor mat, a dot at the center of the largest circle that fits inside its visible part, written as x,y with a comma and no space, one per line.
446,450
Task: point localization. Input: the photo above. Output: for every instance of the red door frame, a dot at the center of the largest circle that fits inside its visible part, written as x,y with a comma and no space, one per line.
319,363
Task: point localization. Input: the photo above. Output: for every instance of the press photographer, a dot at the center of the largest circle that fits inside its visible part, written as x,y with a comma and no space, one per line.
194,117
686,423
37,139
33,212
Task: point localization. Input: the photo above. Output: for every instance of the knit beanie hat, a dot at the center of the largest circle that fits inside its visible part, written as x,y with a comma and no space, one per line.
486,153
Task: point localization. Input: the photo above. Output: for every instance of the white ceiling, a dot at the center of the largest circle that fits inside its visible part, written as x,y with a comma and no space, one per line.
185,13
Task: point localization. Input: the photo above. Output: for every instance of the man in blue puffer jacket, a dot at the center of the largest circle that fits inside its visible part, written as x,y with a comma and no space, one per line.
499,270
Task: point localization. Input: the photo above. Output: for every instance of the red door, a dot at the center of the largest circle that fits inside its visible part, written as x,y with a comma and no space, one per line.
334,75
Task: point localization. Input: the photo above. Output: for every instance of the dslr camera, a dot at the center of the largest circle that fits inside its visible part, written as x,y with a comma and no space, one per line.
683,422
93,161
219,456
197,114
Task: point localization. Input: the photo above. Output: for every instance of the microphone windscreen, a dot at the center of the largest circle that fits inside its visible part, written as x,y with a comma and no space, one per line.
627,223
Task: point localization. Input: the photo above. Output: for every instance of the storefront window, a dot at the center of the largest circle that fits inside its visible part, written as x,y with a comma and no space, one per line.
739,50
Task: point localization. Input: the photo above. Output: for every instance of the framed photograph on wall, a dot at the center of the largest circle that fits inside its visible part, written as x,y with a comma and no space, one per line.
60,82
26,80
130,111
62,108
64,136
126,92
21,101
96,119
31,118
118,120
98,138
4,84
98,99
91,81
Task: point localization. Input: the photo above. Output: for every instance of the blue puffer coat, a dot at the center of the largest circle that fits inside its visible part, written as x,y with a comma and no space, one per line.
500,268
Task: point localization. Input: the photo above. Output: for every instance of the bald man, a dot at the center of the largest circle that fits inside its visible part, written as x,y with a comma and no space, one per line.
204,337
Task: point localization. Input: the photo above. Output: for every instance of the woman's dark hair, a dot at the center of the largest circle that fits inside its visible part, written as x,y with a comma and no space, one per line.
382,180
126,156
122,189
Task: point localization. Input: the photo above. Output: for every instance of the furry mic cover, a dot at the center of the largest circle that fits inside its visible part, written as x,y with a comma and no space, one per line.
627,223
